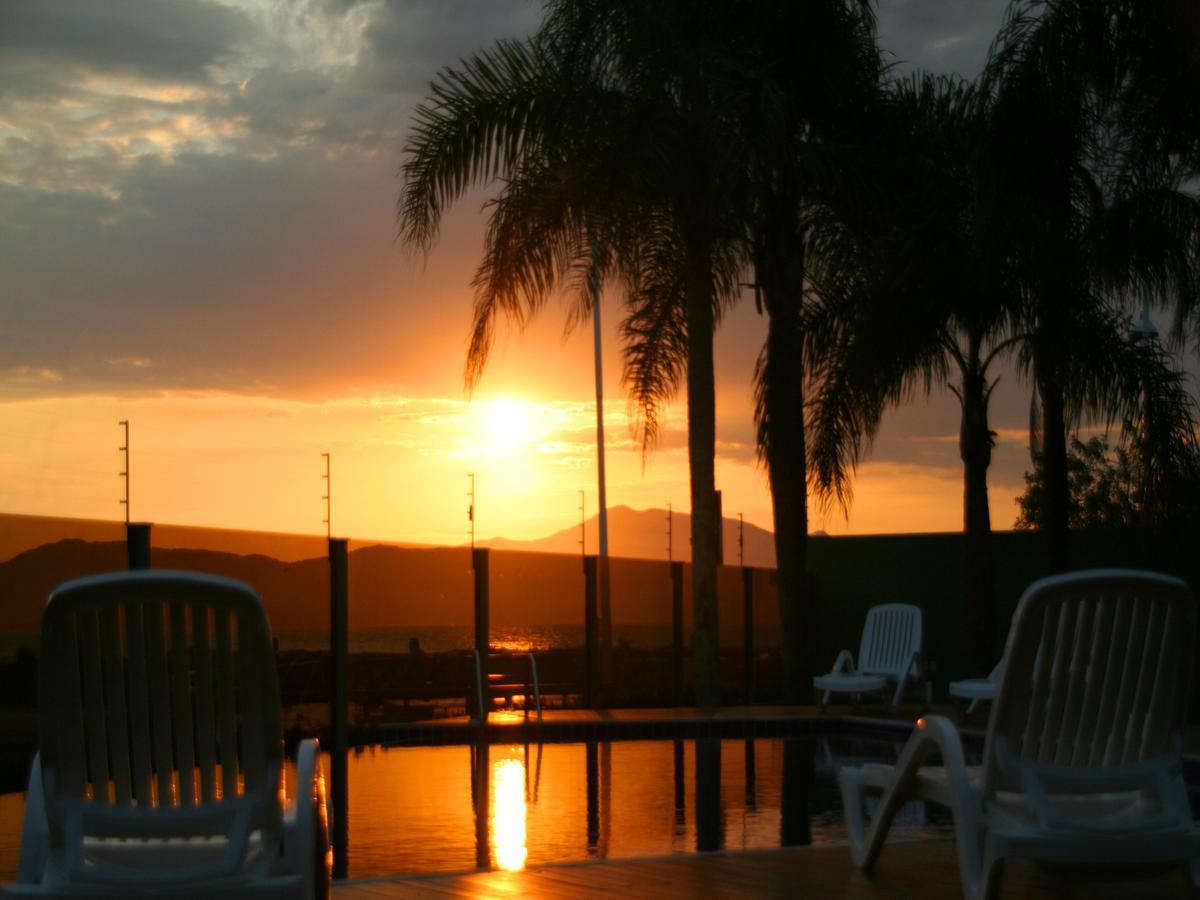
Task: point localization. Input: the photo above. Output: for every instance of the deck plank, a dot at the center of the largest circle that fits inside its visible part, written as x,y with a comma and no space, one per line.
920,869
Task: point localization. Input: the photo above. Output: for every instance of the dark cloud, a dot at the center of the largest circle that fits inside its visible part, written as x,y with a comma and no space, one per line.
949,36
162,41
204,193
408,43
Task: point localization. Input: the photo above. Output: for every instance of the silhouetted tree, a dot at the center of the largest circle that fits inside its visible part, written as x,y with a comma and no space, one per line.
912,280
1084,96
812,86
1151,479
607,130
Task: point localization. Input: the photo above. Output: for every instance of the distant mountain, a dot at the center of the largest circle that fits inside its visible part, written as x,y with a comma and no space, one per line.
642,534
19,533
389,586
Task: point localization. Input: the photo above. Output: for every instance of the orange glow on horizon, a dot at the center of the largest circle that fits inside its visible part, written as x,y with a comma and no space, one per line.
400,467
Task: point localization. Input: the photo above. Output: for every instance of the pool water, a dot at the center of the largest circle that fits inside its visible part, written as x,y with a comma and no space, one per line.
441,809
455,808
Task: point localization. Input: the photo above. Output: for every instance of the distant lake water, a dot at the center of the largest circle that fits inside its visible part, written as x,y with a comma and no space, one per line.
442,639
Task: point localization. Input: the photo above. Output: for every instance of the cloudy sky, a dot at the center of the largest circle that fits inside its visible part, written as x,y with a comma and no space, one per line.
197,235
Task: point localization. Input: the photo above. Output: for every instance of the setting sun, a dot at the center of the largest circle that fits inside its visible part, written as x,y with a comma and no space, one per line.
509,424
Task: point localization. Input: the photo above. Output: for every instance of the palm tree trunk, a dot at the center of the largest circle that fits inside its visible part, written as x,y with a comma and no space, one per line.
975,448
1054,466
784,407
780,277
701,450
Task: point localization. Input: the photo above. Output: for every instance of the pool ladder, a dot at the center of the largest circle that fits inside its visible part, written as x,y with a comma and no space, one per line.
479,688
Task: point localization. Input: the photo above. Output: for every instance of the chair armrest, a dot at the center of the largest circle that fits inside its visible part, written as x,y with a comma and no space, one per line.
904,673
35,830
844,663
932,734
306,822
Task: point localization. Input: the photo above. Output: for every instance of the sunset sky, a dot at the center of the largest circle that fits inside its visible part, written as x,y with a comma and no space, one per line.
197,235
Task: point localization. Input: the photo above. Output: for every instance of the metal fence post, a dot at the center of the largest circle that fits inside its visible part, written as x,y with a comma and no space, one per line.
590,631
137,544
479,565
339,706
748,629
677,630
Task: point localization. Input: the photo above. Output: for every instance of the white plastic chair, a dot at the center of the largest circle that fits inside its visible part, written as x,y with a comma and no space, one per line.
1083,758
889,652
978,690
160,758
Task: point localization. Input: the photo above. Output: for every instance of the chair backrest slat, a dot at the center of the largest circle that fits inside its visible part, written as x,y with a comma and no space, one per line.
1156,737
252,747
67,716
1114,671
226,705
139,703
1059,686
206,752
181,704
160,703
1096,673
892,633
1099,648
113,662
1078,660
94,719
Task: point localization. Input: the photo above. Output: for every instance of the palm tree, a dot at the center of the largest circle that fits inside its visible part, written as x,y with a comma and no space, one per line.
812,84
910,278
606,131
1095,171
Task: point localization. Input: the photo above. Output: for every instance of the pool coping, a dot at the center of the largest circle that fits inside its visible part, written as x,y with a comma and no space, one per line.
601,727
725,724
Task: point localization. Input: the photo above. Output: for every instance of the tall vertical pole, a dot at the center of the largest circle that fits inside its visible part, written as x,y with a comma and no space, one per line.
720,530
605,606
741,540
328,498
747,611
582,525
590,660
670,541
339,712
124,423
471,511
603,495
677,668
137,544
479,563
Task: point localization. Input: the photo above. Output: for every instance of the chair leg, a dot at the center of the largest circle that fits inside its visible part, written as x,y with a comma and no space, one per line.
986,883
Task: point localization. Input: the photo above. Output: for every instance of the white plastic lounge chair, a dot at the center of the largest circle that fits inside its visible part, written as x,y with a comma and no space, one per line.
977,690
889,653
1083,758
160,759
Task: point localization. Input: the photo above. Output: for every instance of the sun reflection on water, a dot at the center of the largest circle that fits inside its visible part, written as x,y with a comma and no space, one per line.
508,814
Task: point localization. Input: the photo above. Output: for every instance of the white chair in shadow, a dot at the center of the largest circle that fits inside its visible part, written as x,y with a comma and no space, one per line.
1083,756
160,762
889,653
977,690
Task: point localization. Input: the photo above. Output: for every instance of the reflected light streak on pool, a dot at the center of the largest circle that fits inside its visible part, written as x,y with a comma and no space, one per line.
507,823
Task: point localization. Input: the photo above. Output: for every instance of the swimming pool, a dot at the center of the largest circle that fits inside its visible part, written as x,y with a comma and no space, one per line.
505,806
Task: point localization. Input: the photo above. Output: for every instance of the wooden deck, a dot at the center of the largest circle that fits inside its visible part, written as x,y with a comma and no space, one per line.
925,869
922,869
